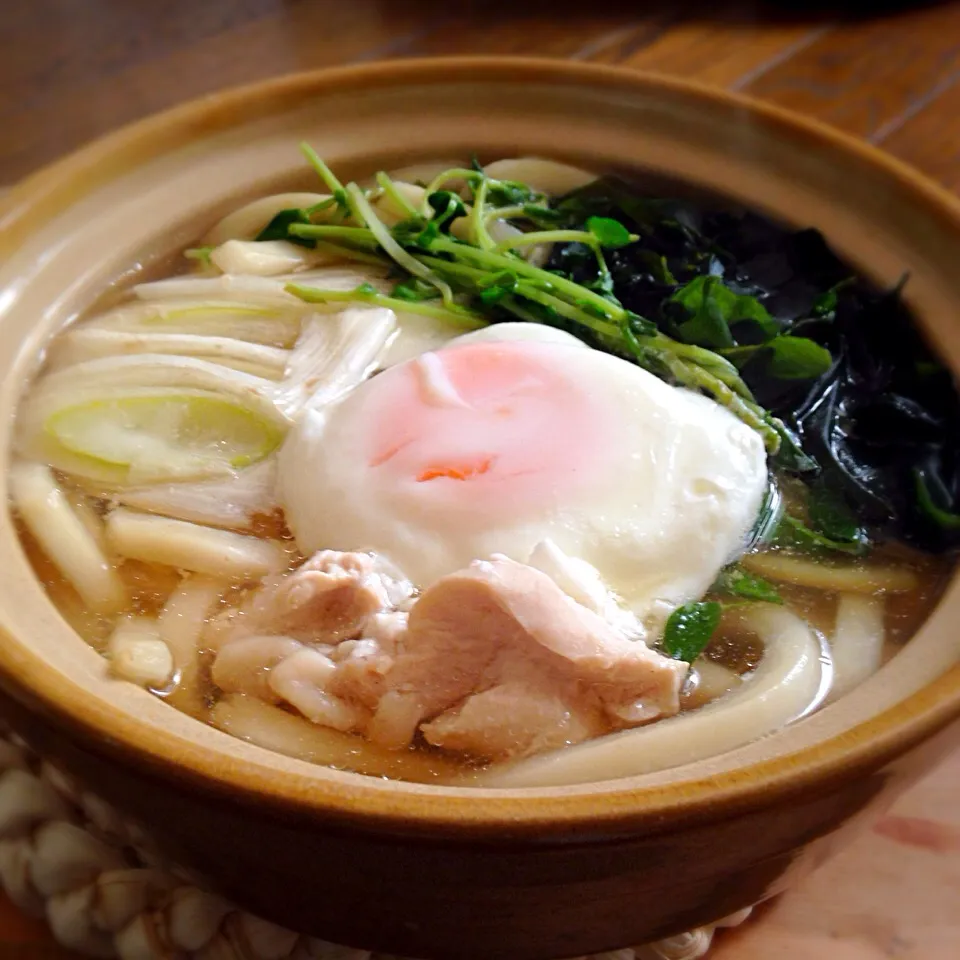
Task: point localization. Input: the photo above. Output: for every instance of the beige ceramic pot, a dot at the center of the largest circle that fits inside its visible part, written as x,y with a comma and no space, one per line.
442,872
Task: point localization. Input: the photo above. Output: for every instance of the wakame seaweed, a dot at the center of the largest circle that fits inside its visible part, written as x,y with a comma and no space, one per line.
841,363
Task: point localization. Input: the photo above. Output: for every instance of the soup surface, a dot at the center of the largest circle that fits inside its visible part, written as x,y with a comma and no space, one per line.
505,475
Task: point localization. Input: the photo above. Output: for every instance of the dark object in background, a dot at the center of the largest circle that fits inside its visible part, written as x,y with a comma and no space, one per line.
878,421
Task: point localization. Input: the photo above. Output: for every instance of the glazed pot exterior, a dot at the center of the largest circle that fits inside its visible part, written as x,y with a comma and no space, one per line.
443,898
427,871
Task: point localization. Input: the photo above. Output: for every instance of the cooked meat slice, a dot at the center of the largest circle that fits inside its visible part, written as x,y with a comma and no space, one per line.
496,658
361,668
302,680
514,719
328,598
500,622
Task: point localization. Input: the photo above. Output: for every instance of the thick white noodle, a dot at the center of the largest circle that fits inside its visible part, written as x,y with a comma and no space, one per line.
426,172
545,176
65,537
862,578
189,546
243,665
783,687
710,681
276,729
266,258
246,222
180,627
137,653
857,644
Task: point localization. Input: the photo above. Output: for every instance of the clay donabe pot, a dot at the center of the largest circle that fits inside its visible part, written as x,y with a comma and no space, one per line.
431,871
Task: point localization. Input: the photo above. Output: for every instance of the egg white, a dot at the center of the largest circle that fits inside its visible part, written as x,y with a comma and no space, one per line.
670,501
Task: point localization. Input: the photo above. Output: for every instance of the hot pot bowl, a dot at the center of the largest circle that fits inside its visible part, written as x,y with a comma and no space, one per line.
445,872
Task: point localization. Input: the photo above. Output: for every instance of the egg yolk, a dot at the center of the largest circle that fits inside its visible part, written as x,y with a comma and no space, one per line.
488,427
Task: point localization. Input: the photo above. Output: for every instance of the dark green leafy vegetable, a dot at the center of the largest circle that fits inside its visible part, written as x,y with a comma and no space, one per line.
796,358
714,308
830,514
689,629
707,301
737,582
884,412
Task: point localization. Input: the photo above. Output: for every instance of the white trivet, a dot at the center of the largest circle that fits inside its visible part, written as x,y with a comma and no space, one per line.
106,891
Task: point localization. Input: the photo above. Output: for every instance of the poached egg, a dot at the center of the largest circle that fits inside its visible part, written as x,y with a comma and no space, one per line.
500,442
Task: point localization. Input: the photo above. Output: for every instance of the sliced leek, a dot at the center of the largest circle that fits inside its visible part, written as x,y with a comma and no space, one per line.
166,432
270,325
235,502
84,343
150,418
333,355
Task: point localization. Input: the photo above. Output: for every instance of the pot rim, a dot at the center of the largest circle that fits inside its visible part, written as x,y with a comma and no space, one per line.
613,807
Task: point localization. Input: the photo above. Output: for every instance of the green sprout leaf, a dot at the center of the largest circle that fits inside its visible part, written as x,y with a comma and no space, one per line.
714,308
446,206
610,233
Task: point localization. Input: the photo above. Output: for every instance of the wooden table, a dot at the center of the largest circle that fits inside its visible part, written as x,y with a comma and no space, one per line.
72,69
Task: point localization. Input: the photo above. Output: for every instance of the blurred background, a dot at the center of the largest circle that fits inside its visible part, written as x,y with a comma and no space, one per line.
73,69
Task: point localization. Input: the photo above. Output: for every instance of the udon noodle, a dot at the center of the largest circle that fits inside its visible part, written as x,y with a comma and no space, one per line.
390,480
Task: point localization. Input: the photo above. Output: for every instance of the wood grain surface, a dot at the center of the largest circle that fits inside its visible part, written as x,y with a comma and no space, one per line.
73,69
